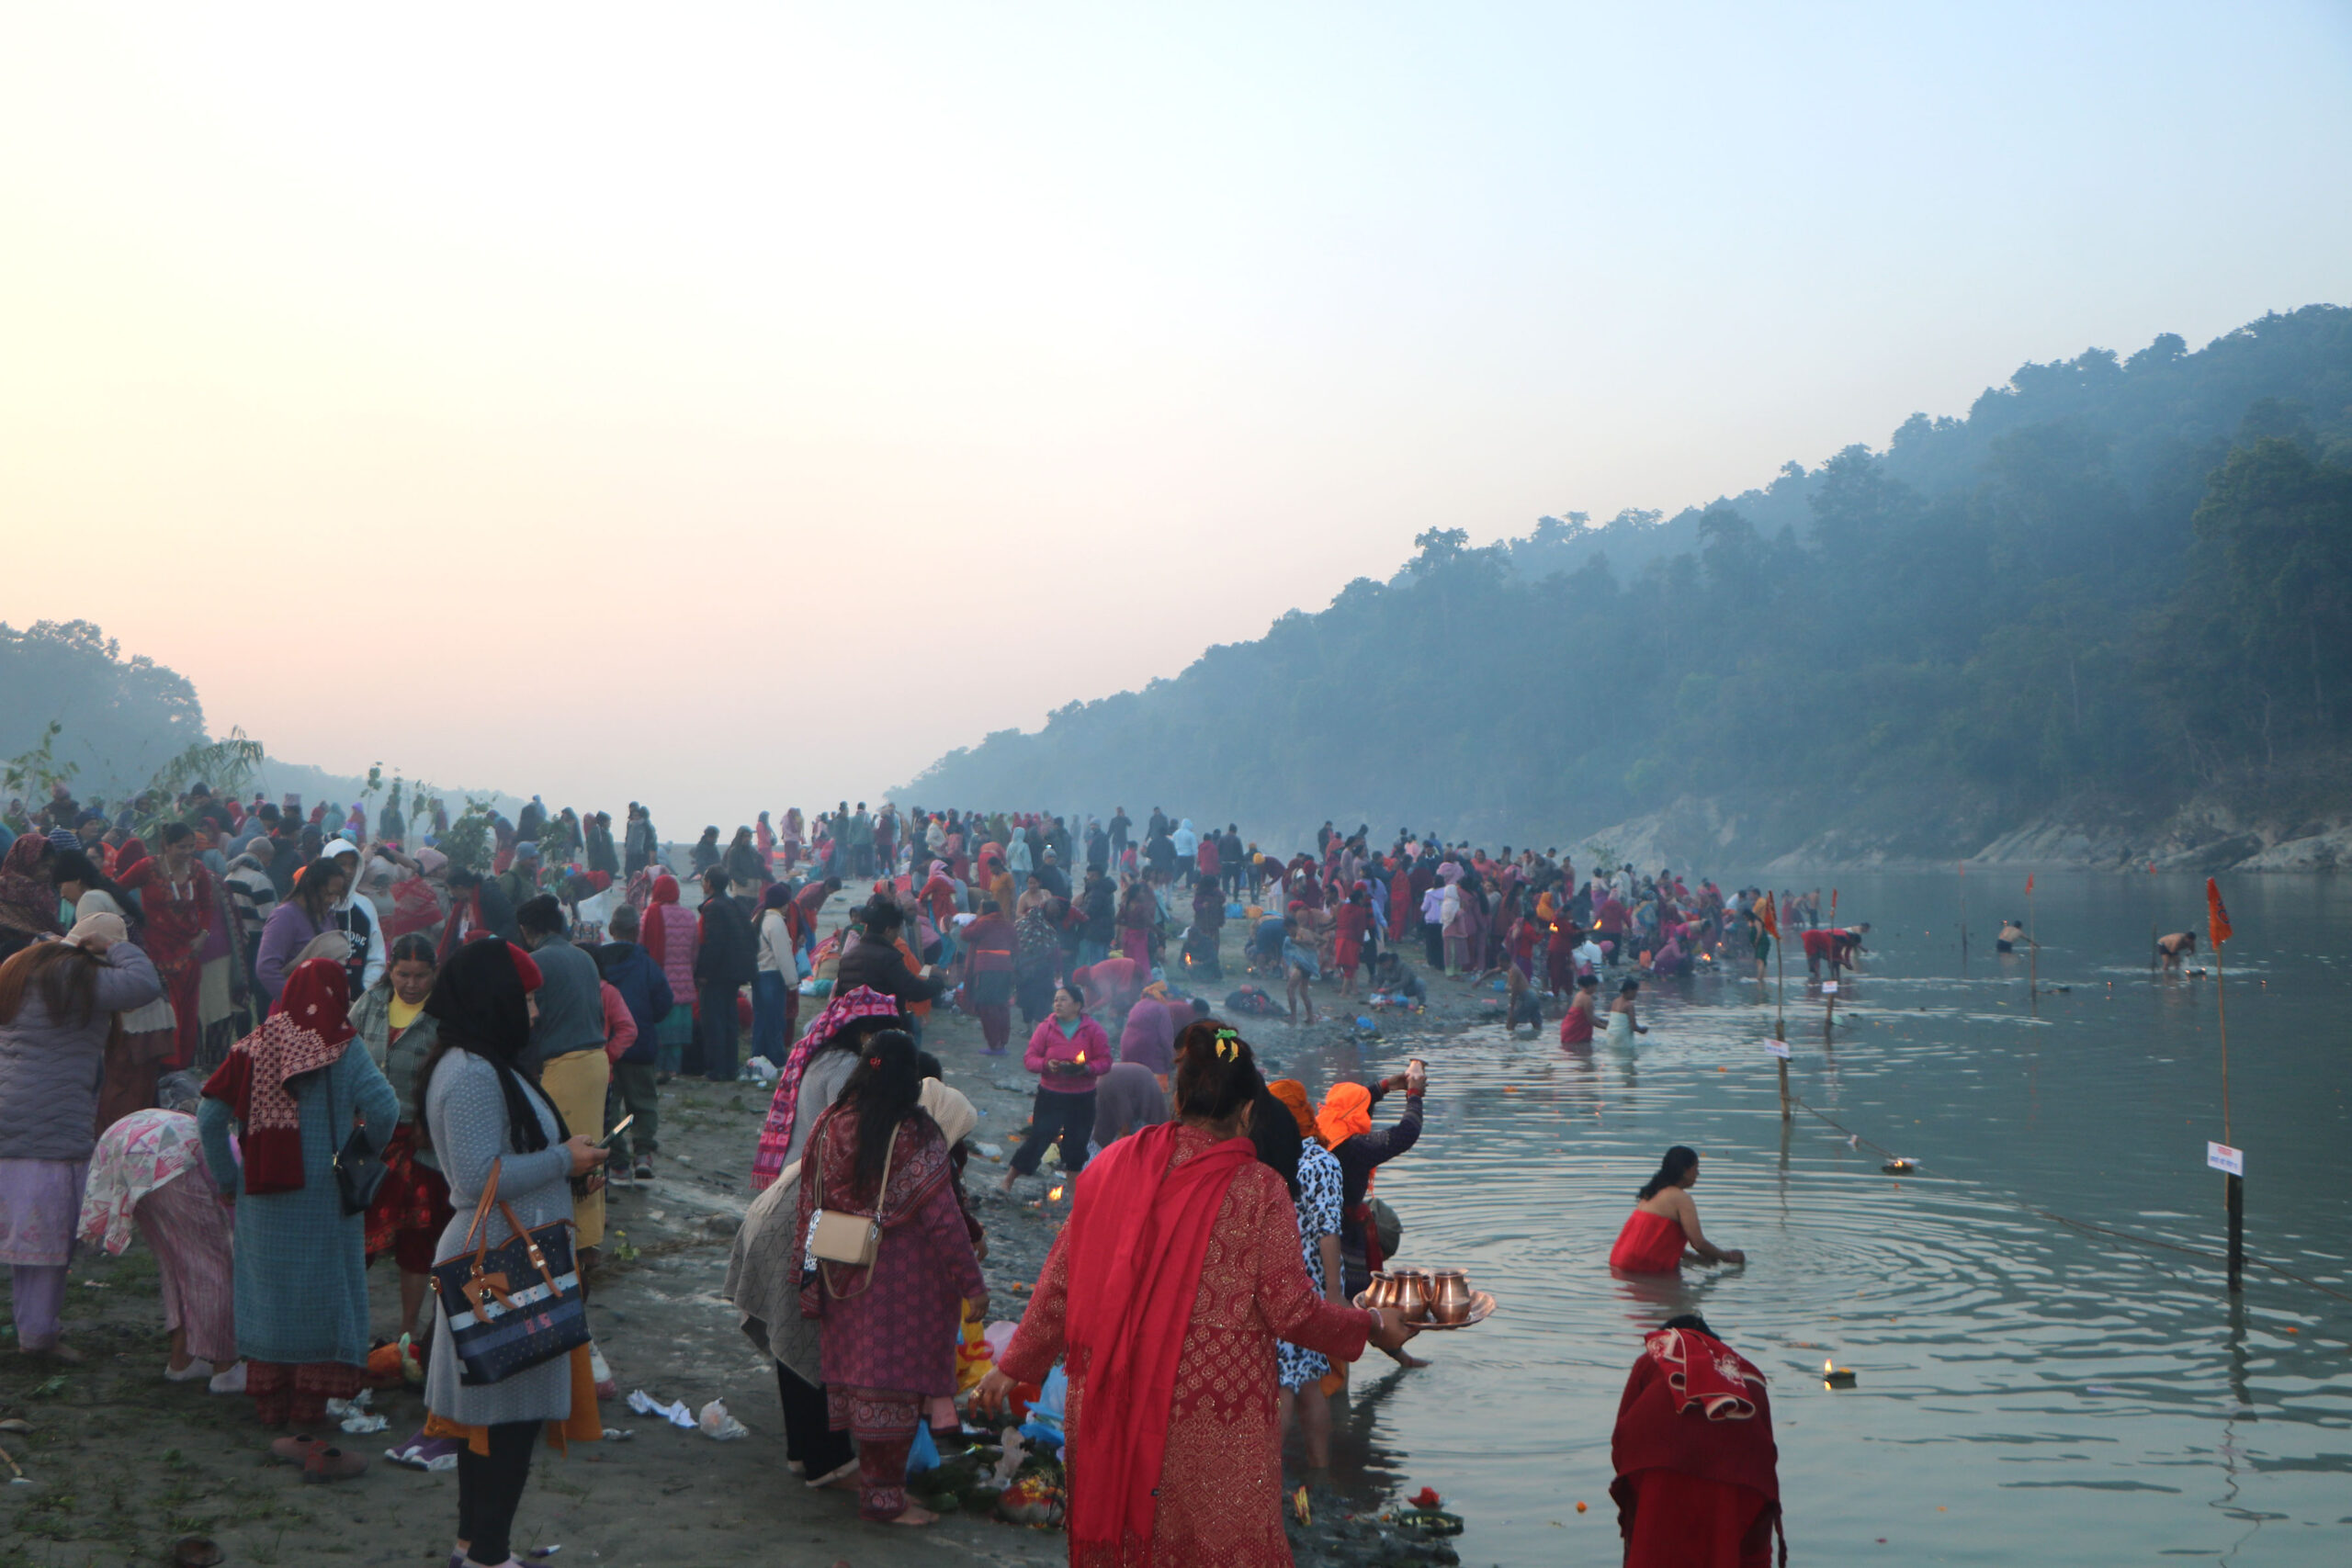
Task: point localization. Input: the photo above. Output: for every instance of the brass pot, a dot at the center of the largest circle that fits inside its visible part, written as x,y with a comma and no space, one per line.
1449,1296
1412,1297
1380,1292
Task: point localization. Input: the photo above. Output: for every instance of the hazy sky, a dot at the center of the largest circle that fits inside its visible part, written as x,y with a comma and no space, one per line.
736,406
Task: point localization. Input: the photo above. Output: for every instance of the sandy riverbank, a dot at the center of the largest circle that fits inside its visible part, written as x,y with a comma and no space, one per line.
121,1463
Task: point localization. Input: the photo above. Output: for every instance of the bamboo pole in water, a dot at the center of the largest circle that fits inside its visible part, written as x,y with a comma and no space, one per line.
2032,947
1963,916
2233,1187
1781,1019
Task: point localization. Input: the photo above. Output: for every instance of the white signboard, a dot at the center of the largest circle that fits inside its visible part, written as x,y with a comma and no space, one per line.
2221,1156
1829,988
1779,1048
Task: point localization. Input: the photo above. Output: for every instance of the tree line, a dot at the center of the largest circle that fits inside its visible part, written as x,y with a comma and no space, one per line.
2115,582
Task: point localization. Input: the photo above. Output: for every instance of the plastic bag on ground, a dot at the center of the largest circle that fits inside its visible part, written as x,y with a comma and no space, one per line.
675,1411
717,1424
922,1454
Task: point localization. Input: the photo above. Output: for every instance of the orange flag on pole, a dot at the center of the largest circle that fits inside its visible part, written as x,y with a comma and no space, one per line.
2029,884
2217,914
1769,914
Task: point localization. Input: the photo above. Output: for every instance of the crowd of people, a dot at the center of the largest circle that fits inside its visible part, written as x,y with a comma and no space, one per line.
174,1061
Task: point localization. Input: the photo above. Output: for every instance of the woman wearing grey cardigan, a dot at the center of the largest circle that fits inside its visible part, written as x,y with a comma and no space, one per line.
483,1112
58,1003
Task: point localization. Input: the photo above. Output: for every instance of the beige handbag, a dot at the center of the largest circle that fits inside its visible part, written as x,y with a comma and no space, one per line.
851,1239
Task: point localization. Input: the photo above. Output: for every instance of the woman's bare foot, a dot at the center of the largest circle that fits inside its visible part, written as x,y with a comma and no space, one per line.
918,1516
57,1351
1006,1184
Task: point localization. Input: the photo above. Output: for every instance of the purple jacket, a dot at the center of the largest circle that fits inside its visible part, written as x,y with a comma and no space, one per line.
1149,1038
50,1068
290,931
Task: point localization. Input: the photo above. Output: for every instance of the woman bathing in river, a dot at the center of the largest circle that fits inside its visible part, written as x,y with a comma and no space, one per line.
1622,1026
1665,1221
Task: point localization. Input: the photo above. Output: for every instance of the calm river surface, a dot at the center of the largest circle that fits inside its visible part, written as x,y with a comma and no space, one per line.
2028,1391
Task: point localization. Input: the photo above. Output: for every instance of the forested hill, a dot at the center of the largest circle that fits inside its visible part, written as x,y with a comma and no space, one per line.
75,711
2115,584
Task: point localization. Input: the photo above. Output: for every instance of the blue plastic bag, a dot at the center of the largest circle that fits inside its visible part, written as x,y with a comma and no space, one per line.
924,1453
1044,1423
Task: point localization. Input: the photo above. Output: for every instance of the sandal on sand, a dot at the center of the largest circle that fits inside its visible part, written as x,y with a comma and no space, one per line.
294,1450
327,1463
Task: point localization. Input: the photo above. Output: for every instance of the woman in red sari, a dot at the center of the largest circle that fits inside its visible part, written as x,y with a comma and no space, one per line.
1698,1474
1178,1272
175,893
1665,1220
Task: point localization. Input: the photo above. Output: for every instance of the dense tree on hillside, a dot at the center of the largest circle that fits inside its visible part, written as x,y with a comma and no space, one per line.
2116,578
119,718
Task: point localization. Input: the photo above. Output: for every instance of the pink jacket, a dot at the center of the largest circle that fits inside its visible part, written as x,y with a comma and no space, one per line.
1089,1047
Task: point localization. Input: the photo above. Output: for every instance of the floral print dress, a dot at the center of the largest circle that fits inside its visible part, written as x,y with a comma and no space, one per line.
1318,1216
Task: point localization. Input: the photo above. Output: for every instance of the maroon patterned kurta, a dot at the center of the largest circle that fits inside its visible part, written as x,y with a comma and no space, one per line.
900,1332
1220,1489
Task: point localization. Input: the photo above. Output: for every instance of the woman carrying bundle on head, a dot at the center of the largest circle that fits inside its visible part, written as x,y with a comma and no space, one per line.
1698,1474
1166,1290
59,1003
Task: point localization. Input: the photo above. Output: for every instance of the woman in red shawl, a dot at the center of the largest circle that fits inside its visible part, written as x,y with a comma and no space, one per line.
670,933
1698,1476
175,894
1178,1272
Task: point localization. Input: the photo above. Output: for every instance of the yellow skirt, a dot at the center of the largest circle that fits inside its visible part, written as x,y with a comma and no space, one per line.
576,1082
584,1425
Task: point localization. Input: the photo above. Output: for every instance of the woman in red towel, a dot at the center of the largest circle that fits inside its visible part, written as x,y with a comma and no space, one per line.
1698,1476
1665,1220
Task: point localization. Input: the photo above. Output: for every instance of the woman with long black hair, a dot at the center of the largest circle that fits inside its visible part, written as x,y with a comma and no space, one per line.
889,1327
1665,1221
485,1115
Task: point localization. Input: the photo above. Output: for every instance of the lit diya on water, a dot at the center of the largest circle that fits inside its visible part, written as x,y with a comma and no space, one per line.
1835,1376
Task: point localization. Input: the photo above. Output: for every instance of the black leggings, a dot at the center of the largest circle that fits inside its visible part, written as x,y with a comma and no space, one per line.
808,1435
1069,1117
489,1488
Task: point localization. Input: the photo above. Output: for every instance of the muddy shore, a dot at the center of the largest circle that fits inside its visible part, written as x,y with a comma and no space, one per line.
120,1463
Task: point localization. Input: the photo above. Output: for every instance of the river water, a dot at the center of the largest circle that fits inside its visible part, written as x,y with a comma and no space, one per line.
2028,1391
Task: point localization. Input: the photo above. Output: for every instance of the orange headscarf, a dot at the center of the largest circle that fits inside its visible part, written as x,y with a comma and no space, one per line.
1347,1110
1293,1094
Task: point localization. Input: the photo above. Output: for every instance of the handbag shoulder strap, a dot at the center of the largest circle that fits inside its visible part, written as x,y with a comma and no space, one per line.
481,1208
882,1192
817,1158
